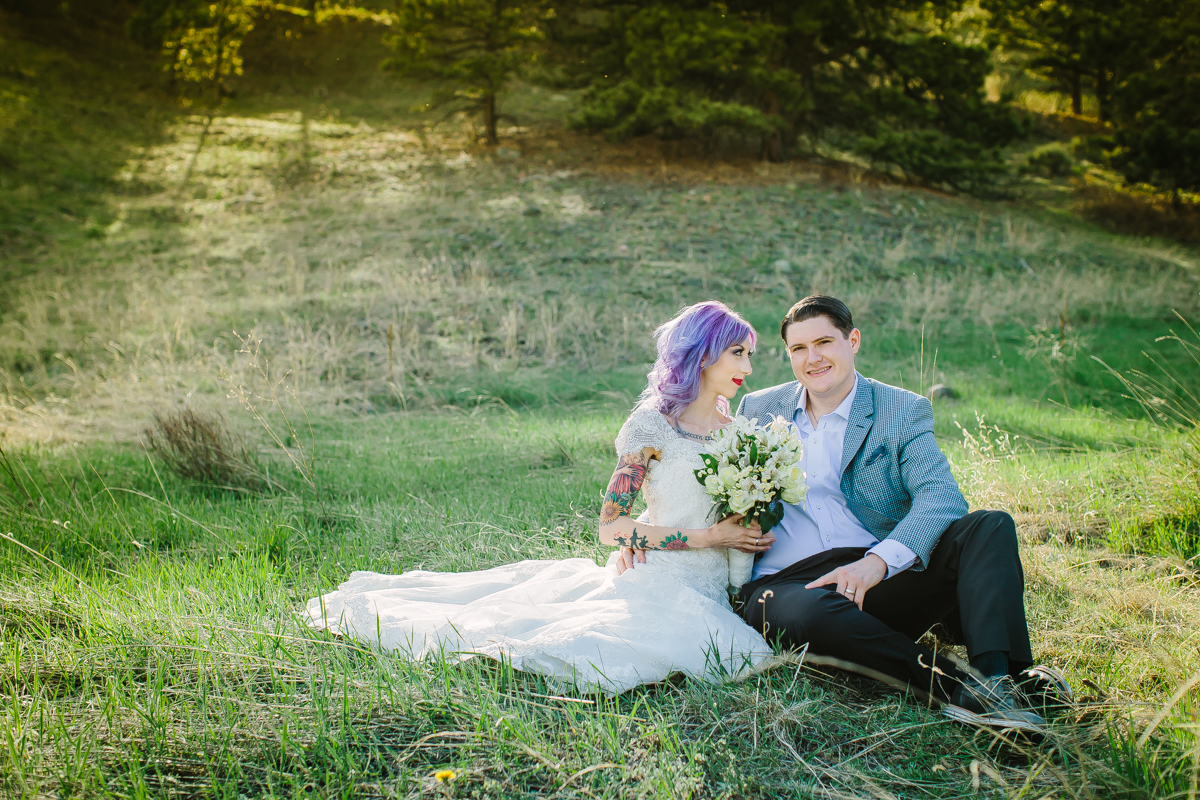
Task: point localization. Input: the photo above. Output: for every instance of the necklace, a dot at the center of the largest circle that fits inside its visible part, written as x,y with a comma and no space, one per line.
688,435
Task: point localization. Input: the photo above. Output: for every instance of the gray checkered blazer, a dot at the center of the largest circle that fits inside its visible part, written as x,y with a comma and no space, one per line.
895,479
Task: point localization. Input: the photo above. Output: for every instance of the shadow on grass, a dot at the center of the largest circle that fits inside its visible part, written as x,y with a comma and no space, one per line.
78,102
1136,213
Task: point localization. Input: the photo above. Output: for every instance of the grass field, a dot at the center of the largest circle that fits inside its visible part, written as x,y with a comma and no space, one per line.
152,648
455,336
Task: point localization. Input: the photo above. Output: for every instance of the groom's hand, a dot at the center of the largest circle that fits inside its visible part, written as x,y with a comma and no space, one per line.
854,580
628,557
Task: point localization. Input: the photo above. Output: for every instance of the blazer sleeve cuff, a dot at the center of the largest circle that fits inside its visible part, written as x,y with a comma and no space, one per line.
896,555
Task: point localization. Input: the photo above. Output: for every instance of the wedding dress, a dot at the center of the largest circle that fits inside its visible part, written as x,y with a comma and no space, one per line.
573,621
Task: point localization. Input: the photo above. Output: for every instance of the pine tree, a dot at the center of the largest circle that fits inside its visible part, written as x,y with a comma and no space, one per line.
1157,101
680,71
473,48
882,76
1076,44
1141,58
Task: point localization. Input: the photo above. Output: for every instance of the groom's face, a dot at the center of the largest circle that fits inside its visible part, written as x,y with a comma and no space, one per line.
822,358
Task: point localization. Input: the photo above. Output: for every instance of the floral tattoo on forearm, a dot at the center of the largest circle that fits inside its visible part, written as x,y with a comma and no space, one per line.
676,541
623,487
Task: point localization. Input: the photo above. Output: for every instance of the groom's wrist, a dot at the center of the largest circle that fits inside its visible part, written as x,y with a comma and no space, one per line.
880,566
897,556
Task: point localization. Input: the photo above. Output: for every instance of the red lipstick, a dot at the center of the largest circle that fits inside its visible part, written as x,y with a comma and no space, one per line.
738,381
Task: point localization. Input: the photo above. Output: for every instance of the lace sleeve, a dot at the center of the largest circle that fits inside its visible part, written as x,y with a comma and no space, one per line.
644,428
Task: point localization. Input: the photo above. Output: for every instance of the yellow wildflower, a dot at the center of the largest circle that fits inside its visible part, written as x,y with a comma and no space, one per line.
444,775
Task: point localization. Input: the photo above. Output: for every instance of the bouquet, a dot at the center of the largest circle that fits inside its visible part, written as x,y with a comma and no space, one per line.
752,471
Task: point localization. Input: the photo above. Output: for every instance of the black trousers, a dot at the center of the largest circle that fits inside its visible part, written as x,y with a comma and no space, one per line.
973,585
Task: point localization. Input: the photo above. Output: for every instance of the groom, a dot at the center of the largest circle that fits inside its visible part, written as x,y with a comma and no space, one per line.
883,548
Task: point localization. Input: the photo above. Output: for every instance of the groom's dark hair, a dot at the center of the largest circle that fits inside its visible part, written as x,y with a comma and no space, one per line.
819,305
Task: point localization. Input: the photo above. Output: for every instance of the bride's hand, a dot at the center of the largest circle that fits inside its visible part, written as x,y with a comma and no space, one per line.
628,557
730,532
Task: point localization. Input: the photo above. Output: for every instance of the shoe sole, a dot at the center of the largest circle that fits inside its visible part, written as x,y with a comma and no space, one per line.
959,714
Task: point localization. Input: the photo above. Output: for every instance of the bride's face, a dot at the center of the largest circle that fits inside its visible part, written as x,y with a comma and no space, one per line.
725,375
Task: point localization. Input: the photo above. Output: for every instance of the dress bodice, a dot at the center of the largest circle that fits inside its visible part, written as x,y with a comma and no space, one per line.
675,499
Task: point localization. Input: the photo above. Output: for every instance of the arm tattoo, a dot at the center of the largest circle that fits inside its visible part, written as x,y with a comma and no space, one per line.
639,542
623,487
676,541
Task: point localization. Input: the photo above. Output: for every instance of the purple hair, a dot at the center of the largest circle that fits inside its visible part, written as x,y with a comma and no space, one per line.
693,339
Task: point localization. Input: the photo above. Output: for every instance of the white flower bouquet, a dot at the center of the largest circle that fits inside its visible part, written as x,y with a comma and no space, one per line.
752,471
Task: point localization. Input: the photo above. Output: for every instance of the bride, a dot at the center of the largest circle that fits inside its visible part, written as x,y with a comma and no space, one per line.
659,606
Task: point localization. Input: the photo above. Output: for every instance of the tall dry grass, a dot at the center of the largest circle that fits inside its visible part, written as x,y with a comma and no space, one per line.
383,231
200,447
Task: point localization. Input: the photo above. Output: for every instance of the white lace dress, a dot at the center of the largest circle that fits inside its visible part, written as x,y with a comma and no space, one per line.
573,621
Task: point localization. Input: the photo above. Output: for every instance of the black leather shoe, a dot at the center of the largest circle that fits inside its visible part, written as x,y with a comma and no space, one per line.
1045,687
994,702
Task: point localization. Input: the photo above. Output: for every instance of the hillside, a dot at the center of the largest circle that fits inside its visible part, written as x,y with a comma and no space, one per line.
422,349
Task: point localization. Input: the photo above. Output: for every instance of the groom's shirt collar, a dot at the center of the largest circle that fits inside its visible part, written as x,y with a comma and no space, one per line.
842,412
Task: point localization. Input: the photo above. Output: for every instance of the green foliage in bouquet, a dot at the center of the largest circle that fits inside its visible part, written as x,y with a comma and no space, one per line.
767,516
753,471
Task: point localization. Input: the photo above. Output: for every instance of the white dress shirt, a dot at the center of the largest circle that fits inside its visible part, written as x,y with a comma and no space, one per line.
824,521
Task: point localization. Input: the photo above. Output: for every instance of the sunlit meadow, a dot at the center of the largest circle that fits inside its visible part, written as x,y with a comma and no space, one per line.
422,350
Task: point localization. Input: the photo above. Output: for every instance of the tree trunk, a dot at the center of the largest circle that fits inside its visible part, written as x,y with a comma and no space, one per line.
1102,84
173,81
492,47
772,146
809,84
1076,95
772,149
217,68
489,118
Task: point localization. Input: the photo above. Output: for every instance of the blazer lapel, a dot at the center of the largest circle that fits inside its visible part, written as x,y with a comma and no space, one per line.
781,402
787,401
791,402
859,425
